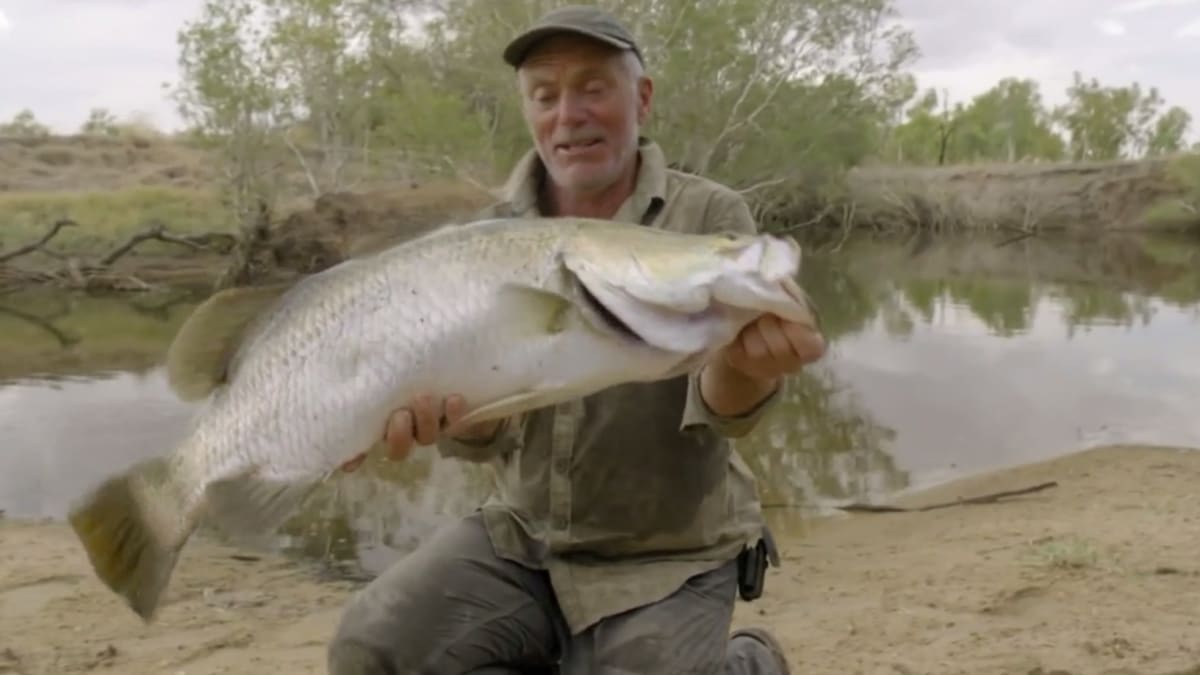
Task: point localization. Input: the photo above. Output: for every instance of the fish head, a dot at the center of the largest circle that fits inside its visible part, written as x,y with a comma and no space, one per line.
685,293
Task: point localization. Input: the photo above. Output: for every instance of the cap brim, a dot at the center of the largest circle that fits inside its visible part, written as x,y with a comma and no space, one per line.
516,50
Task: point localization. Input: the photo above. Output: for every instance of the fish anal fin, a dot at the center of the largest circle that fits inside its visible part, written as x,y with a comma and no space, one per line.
511,405
198,358
254,504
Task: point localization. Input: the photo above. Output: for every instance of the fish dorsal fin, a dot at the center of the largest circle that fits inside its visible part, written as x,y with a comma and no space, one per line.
199,356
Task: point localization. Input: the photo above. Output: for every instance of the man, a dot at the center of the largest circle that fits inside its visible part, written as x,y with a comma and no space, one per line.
611,545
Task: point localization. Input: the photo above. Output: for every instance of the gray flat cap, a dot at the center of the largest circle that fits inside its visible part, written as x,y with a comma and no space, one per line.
585,20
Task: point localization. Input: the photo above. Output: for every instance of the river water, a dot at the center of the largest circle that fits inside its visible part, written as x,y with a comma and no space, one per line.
948,357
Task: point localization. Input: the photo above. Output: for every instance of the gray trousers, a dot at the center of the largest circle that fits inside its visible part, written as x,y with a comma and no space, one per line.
453,607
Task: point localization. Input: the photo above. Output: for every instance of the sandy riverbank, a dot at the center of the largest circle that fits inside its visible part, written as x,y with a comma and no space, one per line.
1098,575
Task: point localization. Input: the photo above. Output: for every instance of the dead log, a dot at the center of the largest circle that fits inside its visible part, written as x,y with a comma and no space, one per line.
982,499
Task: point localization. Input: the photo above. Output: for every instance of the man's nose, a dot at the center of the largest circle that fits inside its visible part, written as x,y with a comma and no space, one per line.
572,109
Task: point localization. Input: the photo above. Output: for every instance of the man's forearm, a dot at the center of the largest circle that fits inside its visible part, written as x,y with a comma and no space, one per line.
729,392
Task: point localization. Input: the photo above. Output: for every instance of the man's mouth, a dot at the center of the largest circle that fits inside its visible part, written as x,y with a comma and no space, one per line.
579,146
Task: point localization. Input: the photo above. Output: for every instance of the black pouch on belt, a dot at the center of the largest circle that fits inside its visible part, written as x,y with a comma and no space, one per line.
752,566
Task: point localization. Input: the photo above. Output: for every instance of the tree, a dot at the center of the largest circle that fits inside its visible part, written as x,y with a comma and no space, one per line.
1008,123
284,84
927,136
228,94
100,122
1108,122
1169,131
24,123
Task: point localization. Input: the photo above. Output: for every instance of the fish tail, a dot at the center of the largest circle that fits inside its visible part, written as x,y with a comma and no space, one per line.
133,527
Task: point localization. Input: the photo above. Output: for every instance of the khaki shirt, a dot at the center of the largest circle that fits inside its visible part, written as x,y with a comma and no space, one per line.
625,494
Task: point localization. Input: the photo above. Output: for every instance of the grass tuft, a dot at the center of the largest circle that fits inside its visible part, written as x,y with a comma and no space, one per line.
1069,553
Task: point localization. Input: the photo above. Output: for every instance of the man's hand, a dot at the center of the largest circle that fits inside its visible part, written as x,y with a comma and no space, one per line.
420,423
770,348
749,369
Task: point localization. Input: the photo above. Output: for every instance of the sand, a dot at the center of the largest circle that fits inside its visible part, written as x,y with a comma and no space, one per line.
1100,574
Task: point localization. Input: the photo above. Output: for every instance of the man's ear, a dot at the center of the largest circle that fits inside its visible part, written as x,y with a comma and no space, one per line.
645,89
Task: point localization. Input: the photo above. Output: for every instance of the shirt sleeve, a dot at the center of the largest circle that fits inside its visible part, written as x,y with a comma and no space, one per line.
507,439
697,413
727,212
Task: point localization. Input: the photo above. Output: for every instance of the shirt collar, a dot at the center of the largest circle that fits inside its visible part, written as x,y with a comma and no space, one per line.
521,189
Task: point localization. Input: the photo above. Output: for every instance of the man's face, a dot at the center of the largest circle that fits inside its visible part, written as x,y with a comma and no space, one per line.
584,108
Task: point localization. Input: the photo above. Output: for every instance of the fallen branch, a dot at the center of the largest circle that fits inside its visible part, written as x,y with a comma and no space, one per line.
982,499
72,277
37,245
154,231
158,232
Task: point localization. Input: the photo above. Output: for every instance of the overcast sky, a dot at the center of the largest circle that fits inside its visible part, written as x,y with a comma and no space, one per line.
63,57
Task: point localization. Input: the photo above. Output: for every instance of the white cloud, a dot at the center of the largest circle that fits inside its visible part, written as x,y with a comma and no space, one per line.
1110,27
1136,6
5,24
1189,29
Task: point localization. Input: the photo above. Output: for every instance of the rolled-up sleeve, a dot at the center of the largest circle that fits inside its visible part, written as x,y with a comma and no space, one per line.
507,439
697,413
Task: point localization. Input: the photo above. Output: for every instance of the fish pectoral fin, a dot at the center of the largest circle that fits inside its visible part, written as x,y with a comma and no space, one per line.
528,308
199,355
253,504
511,405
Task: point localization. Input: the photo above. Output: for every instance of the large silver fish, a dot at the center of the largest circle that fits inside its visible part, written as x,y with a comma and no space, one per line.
512,314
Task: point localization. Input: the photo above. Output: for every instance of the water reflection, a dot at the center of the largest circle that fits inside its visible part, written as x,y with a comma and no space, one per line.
47,332
58,435
947,357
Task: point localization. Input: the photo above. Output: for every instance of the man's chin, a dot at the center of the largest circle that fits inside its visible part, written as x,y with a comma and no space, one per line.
582,178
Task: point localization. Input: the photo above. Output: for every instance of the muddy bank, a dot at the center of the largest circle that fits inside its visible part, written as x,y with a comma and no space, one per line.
1155,194
1097,575
345,224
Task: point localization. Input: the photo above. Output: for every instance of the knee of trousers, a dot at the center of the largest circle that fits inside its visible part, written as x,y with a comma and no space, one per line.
359,645
347,656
